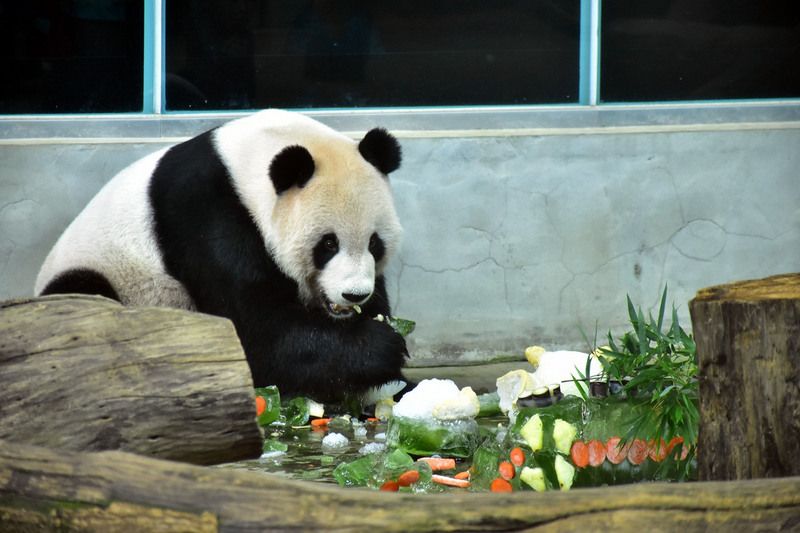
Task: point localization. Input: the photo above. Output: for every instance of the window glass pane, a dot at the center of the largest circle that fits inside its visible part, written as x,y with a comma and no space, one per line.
71,56
699,49
349,53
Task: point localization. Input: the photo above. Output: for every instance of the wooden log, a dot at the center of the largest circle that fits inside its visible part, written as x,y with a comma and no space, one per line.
107,491
85,373
748,348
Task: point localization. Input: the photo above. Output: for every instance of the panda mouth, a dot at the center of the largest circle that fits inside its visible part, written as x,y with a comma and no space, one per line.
341,311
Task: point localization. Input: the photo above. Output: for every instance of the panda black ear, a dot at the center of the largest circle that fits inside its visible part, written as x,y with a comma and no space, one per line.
380,148
292,167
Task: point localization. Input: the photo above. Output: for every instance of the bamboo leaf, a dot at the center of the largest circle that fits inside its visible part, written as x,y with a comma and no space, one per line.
642,337
632,313
666,390
661,310
662,370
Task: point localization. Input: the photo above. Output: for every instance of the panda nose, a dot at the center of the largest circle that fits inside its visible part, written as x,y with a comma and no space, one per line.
355,298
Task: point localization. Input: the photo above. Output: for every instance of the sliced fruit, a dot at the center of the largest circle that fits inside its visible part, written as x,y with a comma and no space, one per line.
534,478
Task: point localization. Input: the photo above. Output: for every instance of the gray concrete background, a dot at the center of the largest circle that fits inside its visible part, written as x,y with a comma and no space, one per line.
512,237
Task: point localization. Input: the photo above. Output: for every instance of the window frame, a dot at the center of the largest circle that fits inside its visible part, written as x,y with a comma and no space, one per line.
587,115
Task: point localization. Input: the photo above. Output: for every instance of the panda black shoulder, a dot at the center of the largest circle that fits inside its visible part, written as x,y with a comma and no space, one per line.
201,227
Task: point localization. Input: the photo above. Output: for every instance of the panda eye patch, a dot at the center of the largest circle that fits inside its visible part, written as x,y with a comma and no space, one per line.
330,243
325,249
376,247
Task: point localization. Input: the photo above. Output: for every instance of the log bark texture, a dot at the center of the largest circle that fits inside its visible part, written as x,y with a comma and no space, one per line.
748,348
86,373
41,488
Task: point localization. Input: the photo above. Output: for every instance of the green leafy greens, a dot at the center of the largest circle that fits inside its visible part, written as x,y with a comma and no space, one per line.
658,368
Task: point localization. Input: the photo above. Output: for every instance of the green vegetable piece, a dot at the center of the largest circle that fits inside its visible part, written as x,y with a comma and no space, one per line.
456,438
339,423
425,483
565,472
534,478
273,400
533,432
400,325
296,412
545,460
398,460
356,473
484,463
389,466
563,435
490,404
274,445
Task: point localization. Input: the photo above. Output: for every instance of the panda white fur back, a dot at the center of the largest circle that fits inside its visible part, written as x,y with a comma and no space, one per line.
273,220
113,235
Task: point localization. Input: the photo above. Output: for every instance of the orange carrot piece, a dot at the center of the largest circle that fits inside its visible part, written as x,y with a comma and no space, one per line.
320,422
597,452
373,420
390,486
579,454
439,463
637,452
506,470
672,443
462,475
501,485
657,450
409,477
616,453
450,481
517,457
261,405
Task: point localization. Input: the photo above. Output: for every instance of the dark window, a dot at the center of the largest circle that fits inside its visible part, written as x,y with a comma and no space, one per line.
699,49
243,54
77,56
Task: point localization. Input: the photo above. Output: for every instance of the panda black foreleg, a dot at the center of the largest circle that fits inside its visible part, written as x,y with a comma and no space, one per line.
320,358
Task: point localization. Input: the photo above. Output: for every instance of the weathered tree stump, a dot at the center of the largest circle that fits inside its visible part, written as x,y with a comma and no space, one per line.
45,489
85,373
748,347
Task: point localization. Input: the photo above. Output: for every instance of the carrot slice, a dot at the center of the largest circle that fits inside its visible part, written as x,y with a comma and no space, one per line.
517,457
579,453
450,481
390,486
261,405
319,422
614,452
462,475
501,485
672,443
409,477
657,450
637,452
373,420
596,452
506,470
439,463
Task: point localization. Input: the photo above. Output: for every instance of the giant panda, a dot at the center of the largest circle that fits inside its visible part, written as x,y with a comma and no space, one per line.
274,221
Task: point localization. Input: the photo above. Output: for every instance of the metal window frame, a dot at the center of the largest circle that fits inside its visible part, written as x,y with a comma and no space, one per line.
155,124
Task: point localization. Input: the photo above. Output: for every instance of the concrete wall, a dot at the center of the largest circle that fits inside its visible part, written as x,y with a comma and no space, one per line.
512,237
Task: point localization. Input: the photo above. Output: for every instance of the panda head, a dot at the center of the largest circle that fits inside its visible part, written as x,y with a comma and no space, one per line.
334,220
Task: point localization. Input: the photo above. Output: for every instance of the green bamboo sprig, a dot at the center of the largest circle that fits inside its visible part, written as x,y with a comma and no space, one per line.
658,367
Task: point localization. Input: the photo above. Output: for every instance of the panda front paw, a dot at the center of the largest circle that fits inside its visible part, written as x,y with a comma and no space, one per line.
386,353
